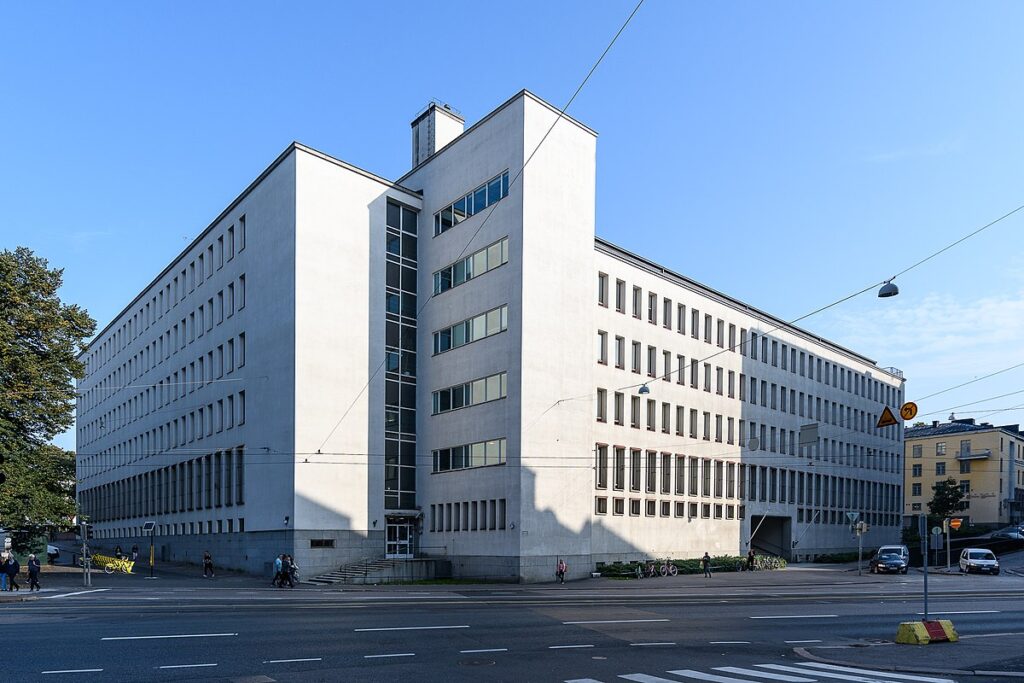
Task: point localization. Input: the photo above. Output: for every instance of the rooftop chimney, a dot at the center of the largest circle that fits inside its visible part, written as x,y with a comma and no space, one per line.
434,128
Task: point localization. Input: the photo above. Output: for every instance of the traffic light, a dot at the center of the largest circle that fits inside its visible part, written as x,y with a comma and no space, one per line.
88,531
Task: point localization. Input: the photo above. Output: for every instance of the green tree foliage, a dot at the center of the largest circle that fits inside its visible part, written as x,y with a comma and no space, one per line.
40,339
946,499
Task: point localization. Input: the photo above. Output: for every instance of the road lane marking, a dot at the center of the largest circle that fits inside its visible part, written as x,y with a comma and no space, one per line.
285,661
648,644
68,595
181,635
493,649
184,666
764,674
886,674
73,671
794,642
870,677
800,616
730,642
567,647
701,676
583,680
408,628
614,621
972,611
644,678
400,654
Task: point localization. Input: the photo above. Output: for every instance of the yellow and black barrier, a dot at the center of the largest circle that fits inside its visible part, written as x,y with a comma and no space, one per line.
124,564
925,632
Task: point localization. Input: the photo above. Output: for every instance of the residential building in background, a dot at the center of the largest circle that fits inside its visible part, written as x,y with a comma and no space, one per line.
450,365
986,460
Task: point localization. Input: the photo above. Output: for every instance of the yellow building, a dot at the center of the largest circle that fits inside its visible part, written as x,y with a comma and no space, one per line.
987,461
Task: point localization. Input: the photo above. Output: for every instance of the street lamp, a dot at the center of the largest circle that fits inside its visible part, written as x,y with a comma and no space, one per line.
888,289
644,389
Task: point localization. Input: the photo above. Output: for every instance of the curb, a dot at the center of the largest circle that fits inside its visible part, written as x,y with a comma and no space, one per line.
803,653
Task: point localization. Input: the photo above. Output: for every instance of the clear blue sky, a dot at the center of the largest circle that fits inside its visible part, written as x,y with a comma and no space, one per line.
785,153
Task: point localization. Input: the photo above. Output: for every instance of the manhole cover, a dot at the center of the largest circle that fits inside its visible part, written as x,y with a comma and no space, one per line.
476,662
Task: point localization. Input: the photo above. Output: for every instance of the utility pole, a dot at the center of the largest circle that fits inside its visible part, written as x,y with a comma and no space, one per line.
83,529
945,524
922,528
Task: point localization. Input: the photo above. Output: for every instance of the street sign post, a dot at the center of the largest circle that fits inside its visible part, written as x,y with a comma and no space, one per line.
908,411
151,528
922,531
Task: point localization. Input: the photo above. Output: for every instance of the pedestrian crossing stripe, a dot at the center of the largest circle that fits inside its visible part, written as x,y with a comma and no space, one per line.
798,672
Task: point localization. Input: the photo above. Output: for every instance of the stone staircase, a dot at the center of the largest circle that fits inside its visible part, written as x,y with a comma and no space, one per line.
363,571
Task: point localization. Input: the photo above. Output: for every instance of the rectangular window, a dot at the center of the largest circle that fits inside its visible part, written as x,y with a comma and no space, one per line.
480,454
637,301
602,407
666,314
620,352
472,203
620,408
652,308
602,347
634,412
472,266
635,469
620,296
472,393
636,357
473,329
619,481
652,408
601,465
602,289
652,361
681,318
652,471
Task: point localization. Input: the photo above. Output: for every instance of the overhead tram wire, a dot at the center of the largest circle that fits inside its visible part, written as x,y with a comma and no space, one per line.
490,209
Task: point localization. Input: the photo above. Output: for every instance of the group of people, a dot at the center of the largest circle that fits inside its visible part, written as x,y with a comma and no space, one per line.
119,554
285,569
10,568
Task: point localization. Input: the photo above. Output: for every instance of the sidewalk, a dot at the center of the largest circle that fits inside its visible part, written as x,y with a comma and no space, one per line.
988,655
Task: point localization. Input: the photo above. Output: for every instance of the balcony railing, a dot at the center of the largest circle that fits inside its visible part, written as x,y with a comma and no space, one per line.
974,455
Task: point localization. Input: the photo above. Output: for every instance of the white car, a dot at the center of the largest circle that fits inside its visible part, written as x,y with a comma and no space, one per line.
978,560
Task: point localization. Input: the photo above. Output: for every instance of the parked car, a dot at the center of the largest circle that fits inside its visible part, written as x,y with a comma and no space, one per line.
978,560
900,550
1013,533
886,563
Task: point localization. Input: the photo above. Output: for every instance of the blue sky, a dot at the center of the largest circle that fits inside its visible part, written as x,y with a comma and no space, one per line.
785,153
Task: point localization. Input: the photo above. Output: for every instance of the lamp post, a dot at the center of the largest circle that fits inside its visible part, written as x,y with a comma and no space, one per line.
151,528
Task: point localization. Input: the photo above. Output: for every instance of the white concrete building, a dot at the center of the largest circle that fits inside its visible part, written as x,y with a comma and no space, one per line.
343,367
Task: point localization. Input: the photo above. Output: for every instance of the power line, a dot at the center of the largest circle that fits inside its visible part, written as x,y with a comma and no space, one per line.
490,210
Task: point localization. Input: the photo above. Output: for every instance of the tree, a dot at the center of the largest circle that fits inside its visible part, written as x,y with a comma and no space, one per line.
40,340
946,499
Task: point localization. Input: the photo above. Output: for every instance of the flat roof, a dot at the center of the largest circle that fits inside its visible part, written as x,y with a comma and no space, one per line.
606,247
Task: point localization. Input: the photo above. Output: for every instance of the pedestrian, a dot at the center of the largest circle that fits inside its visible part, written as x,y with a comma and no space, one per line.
278,566
560,570
13,567
750,560
117,552
207,564
705,562
135,552
286,571
33,573
3,571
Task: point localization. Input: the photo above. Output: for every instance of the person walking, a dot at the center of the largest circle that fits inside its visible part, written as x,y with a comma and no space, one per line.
750,560
13,567
135,552
33,573
705,562
117,551
3,571
207,564
278,566
560,570
287,569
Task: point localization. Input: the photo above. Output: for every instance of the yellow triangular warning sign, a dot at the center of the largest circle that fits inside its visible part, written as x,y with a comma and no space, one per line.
886,419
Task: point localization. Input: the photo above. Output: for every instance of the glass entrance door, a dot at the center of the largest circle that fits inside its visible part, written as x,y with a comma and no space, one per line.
400,535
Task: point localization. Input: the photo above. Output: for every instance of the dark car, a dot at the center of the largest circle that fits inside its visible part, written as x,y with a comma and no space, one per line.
887,563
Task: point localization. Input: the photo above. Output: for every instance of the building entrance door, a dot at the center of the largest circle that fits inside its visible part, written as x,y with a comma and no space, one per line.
401,532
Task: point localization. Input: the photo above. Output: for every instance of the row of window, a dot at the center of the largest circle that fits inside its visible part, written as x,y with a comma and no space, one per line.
750,433
965,487
474,265
470,393
468,515
778,354
940,469
470,330
205,421
203,483
209,526
940,448
664,508
206,369
722,382
176,337
669,473
480,454
491,192
168,296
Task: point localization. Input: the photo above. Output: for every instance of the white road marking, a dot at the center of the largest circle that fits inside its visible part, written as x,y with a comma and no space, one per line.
285,661
408,628
614,621
973,611
583,680
400,654
800,616
906,677
701,676
493,649
648,644
72,671
644,678
794,642
764,674
68,595
184,666
730,642
567,647
181,635
876,676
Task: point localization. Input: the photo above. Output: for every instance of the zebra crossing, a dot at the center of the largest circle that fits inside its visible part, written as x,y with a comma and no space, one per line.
796,672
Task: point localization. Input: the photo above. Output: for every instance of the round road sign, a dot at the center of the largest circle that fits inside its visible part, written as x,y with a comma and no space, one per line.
936,530
954,523
908,410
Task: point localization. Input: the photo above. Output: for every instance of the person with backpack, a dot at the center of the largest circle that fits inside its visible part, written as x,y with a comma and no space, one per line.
207,564
705,563
33,573
286,571
560,570
13,567
278,566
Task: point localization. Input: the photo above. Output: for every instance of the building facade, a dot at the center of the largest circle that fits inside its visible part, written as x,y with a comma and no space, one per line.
451,365
987,461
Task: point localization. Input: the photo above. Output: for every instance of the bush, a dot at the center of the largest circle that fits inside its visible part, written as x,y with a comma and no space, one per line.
837,558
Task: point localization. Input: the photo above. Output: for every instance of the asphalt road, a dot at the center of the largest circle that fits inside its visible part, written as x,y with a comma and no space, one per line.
637,630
